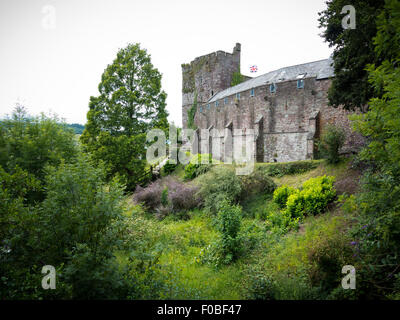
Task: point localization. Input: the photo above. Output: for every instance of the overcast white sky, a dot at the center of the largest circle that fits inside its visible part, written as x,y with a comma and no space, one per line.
56,64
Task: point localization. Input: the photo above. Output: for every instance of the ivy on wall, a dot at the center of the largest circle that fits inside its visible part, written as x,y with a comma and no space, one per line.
192,113
237,78
189,71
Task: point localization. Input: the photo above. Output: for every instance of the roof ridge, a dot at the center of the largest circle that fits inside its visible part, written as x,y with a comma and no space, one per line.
301,64
286,71
295,65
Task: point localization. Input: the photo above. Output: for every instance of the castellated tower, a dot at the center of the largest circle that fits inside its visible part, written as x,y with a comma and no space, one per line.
206,76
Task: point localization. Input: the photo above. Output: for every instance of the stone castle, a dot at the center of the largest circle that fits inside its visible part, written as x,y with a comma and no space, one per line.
287,108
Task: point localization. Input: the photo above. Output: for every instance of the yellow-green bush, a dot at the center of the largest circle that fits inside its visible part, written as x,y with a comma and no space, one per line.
313,198
282,194
295,204
317,193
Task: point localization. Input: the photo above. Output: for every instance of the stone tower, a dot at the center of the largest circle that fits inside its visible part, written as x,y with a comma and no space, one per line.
206,76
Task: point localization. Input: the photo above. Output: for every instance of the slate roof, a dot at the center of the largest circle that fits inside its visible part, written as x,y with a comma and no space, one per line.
321,69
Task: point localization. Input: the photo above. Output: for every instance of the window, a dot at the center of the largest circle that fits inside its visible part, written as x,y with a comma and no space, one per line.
238,95
217,103
252,93
300,84
208,106
272,88
201,109
226,101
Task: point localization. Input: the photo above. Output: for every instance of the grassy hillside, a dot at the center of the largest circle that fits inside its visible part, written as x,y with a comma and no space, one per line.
272,258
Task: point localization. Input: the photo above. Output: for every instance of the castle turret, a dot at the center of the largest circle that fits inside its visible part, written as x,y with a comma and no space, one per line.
206,76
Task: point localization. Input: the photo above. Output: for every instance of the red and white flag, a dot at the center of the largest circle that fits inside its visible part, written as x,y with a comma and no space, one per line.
253,69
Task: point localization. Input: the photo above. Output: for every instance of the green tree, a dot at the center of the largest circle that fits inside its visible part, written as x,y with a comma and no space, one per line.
78,128
31,143
353,50
382,123
379,204
130,103
332,141
77,229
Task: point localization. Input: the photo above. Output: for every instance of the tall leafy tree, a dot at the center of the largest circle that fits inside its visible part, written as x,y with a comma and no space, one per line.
380,201
130,102
353,50
29,144
382,123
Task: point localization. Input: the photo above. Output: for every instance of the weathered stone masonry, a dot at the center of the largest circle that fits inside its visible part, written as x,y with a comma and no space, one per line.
286,120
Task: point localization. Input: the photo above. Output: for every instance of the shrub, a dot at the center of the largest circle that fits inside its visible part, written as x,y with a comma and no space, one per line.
229,219
295,205
332,140
164,197
195,168
327,257
81,225
168,195
220,184
168,168
150,196
281,221
228,247
258,286
183,196
313,198
32,143
256,182
282,194
317,193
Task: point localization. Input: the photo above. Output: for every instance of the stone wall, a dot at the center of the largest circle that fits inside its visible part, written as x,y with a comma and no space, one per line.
207,75
286,122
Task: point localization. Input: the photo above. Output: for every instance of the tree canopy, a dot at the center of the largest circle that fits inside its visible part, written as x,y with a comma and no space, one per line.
130,103
353,50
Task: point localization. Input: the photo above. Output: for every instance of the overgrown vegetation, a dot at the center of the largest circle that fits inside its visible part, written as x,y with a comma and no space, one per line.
237,78
203,232
198,165
168,196
332,141
376,233
192,113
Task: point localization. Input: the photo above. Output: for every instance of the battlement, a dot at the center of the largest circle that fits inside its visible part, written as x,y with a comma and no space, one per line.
220,53
207,75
